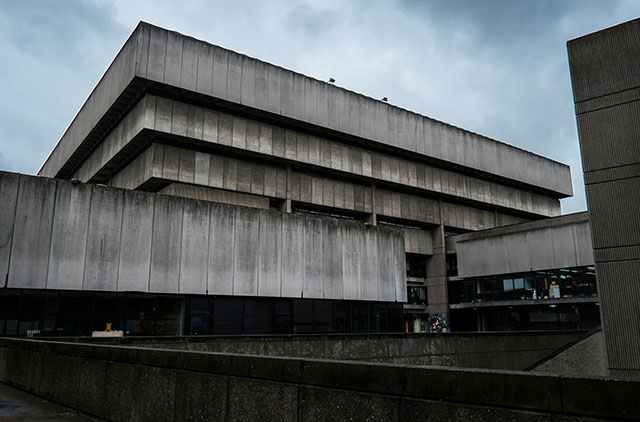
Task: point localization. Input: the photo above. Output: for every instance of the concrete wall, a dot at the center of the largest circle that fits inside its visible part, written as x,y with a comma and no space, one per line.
172,164
586,357
212,129
174,60
86,237
562,242
137,384
497,350
606,88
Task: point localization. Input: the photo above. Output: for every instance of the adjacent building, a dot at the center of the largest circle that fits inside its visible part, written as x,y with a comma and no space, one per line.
606,90
537,275
199,190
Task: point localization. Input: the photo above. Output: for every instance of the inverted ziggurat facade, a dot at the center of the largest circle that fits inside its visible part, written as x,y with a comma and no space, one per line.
222,194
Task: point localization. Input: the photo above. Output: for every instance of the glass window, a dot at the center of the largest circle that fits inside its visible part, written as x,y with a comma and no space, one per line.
198,315
302,316
323,316
258,316
378,319
339,322
507,285
108,309
283,318
416,266
228,315
417,295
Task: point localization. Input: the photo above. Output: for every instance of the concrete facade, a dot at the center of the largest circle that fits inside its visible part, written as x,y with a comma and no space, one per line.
104,239
561,242
188,119
533,275
153,54
606,82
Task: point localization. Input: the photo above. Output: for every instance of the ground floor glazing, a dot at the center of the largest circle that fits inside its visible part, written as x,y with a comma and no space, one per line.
73,313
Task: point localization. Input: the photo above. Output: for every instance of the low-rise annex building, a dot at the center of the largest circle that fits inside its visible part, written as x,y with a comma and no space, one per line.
222,194
537,275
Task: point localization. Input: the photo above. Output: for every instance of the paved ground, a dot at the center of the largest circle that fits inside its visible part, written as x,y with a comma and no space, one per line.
18,406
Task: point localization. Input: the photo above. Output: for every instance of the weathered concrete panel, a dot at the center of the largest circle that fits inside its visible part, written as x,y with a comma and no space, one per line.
135,244
368,267
333,245
9,183
221,250
166,244
313,258
220,71
103,239
189,64
69,236
352,271
194,252
234,77
246,255
386,271
156,53
270,255
205,68
248,81
292,264
173,59
400,269
32,233
540,245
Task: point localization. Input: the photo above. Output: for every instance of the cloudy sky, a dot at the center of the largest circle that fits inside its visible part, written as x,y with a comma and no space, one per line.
497,67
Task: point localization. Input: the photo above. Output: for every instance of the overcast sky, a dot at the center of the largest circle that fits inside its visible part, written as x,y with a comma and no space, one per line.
498,68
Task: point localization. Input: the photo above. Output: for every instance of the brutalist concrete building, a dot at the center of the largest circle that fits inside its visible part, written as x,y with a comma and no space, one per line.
199,190
606,80
537,275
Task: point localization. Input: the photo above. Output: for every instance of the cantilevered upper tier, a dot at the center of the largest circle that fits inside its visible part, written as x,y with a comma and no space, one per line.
166,63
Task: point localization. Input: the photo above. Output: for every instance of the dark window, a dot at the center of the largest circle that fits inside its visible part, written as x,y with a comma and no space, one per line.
452,265
378,321
416,266
394,318
417,295
258,316
302,316
283,320
323,316
198,316
228,315
108,309
339,321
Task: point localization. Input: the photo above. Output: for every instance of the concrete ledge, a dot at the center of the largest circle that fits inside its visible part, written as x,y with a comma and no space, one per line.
132,379
501,350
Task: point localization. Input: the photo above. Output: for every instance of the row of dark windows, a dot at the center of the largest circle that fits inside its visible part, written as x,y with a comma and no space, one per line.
525,318
80,313
564,283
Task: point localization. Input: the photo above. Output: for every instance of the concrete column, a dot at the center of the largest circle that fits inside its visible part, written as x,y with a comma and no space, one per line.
437,297
285,206
372,218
